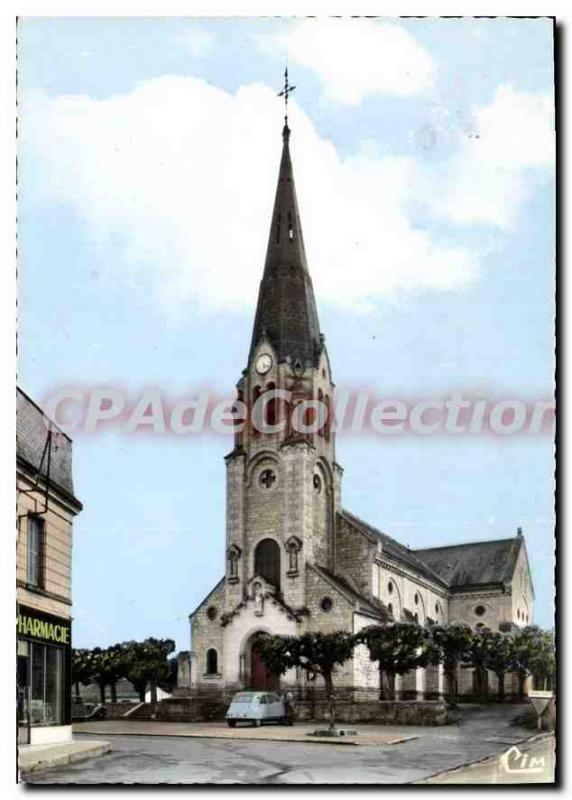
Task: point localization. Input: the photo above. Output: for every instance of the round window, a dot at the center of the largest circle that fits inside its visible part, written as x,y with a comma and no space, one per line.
390,587
317,484
212,612
327,604
437,609
480,611
416,598
267,478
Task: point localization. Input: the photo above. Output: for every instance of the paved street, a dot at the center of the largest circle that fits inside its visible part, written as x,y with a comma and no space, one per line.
181,759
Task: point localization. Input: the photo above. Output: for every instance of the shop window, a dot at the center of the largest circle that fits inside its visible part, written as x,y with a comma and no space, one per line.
35,550
212,661
46,684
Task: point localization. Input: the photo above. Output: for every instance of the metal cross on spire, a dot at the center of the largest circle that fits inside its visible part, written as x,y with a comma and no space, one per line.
285,93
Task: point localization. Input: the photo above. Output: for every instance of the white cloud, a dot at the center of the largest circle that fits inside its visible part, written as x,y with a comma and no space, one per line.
511,145
175,181
354,58
198,41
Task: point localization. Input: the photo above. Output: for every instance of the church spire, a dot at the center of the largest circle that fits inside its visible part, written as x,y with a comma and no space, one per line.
286,310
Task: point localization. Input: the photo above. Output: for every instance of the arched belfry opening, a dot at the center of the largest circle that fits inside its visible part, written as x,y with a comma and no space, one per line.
267,561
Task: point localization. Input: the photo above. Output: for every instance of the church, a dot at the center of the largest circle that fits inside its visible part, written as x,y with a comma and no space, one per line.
296,559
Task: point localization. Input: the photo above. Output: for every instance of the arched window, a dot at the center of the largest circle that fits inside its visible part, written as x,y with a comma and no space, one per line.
328,421
272,407
257,391
212,661
267,561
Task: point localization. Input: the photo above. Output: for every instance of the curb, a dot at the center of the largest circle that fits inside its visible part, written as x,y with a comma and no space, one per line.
64,759
337,742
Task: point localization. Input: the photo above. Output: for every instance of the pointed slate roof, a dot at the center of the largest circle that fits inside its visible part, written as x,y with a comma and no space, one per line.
474,563
32,427
286,312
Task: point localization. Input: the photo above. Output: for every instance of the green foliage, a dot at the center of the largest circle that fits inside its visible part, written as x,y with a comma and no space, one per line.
142,663
316,653
82,668
450,644
398,648
147,663
533,653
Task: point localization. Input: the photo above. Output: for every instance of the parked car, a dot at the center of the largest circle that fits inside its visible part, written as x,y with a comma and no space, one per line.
256,707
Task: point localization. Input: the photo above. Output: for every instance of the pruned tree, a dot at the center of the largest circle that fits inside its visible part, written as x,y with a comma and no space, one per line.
108,666
479,656
316,653
500,658
147,664
82,668
450,644
533,654
397,648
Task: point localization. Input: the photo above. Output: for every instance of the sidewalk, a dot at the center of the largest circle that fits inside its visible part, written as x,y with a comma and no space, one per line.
367,734
533,761
33,758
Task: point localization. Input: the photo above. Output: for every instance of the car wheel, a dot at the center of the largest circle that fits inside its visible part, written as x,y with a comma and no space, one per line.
231,723
257,723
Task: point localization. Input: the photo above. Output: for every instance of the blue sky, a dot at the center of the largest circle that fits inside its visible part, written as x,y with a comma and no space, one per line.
423,157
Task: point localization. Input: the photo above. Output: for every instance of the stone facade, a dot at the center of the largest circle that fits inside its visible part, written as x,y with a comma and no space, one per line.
297,561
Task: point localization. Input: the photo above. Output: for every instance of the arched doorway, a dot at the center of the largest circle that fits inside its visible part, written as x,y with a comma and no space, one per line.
260,678
267,561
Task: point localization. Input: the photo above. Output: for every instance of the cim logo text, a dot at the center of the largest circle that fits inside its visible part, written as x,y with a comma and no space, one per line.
40,629
516,761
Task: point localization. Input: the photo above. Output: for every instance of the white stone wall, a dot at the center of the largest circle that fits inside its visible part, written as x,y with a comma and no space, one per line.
207,633
394,585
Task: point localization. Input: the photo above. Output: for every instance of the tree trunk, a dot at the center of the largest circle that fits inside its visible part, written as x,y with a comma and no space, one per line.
521,682
142,694
77,689
153,688
330,700
451,678
102,693
385,684
500,677
113,687
480,683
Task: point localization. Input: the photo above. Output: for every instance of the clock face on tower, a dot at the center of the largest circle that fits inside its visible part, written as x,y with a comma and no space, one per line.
263,364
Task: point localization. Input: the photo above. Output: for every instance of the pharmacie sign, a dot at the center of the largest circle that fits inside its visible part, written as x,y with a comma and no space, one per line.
32,624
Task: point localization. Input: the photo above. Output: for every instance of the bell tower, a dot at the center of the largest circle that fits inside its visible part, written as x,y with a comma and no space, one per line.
283,483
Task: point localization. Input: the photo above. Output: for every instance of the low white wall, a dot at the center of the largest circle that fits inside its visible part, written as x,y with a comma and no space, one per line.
55,734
